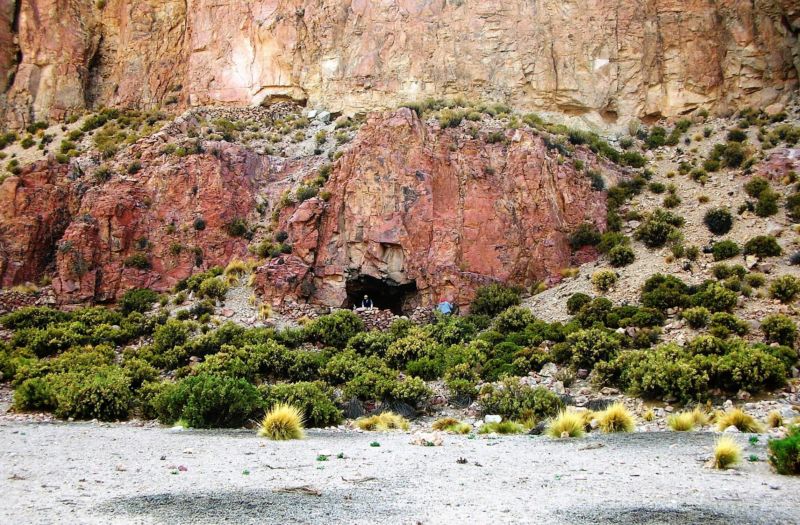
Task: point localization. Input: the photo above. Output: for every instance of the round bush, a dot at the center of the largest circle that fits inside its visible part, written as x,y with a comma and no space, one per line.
620,256
213,288
718,221
716,298
209,401
335,329
494,298
785,288
779,329
102,393
587,347
725,250
696,317
763,246
603,280
139,300
576,302
515,319
514,400
314,399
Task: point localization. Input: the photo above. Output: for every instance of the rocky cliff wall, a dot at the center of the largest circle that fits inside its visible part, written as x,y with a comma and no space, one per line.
603,61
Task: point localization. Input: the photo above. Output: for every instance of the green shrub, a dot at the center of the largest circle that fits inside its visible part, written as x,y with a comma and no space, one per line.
603,280
779,329
664,372
138,261
586,234
784,454
620,256
335,329
35,393
587,347
213,288
314,399
718,221
33,317
785,288
723,324
103,393
767,204
696,317
576,302
370,343
748,369
715,297
756,186
656,230
415,345
138,300
726,249
514,400
763,246
209,401
494,298
665,291
514,319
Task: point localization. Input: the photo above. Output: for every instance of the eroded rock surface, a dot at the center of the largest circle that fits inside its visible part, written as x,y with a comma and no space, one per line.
604,61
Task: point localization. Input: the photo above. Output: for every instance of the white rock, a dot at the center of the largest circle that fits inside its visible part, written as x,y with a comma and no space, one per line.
549,370
492,418
324,116
558,387
732,430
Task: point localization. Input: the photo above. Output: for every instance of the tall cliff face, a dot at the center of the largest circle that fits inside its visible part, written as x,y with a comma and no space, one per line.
604,61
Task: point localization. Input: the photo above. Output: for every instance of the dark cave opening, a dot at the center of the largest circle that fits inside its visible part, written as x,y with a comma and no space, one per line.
385,294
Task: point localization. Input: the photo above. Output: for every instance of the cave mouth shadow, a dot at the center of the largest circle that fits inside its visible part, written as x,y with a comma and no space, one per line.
386,294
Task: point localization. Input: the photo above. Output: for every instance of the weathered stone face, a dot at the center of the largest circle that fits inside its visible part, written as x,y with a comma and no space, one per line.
411,203
439,211
602,61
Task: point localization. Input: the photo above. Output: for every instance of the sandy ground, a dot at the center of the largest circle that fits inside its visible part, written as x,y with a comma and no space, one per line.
96,473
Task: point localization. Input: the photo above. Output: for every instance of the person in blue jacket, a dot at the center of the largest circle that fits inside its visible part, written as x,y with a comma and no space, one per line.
445,307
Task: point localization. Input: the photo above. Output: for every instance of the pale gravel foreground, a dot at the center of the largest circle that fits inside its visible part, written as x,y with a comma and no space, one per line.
94,473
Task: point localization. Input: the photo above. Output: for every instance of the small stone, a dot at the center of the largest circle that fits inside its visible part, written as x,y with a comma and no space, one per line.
181,468
549,370
558,388
743,395
728,404
732,430
582,374
564,435
492,418
669,409
121,468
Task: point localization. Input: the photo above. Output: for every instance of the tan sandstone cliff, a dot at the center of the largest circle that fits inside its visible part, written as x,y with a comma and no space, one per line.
603,60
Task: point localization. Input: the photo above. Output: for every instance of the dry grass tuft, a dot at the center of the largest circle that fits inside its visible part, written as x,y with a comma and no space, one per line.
700,417
774,419
681,422
726,453
504,427
452,425
282,422
566,424
616,418
649,415
382,422
740,419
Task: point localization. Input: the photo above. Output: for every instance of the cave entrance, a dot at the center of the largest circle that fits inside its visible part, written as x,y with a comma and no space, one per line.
385,294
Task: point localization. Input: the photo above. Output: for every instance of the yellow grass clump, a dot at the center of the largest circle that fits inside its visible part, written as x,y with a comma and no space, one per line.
649,415
452,425
382,422
616,418
503,427
681,422
726,453
566,424
281,423
740,419
774,419
700,417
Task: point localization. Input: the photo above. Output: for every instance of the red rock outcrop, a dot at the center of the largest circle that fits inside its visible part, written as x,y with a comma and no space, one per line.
411,203
439,211
37,208
153,215
603,61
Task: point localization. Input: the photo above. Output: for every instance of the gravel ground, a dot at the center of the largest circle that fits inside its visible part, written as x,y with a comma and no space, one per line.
96,473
